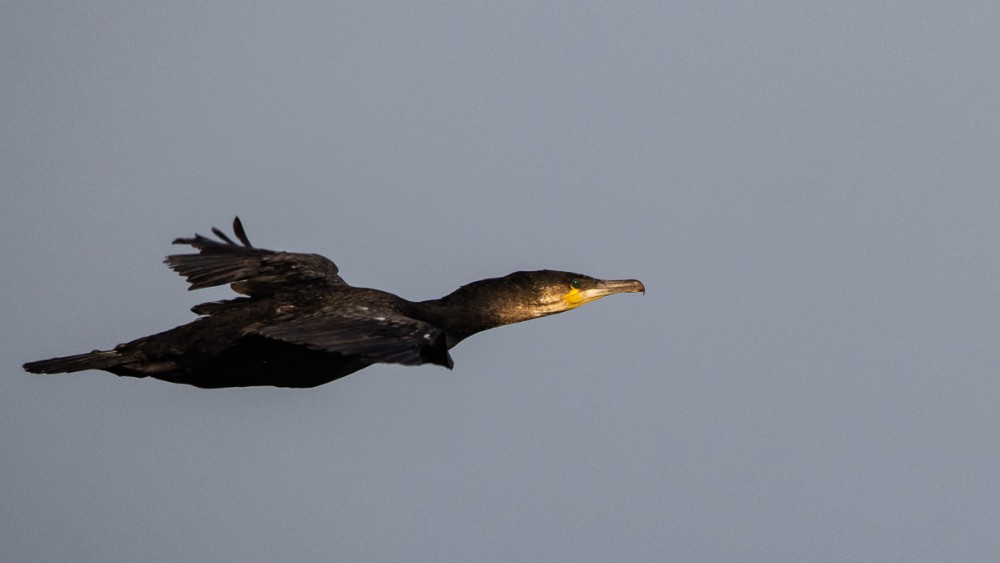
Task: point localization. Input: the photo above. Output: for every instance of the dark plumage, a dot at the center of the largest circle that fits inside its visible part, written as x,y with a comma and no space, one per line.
299,324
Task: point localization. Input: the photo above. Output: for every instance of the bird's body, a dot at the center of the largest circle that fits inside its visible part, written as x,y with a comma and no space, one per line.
298,324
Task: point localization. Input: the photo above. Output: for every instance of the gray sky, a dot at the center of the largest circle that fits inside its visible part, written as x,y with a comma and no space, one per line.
808,190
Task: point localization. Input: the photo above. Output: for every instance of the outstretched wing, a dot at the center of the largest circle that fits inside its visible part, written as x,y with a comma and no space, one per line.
385,338
249,270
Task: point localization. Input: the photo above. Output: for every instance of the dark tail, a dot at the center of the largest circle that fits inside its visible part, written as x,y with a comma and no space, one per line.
98,359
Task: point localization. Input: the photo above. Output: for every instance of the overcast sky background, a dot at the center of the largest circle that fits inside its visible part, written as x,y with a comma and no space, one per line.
810,192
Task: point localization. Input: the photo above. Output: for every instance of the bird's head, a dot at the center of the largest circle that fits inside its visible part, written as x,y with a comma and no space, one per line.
545,292
527,295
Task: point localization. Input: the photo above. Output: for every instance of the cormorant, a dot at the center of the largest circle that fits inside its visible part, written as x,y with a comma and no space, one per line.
299,324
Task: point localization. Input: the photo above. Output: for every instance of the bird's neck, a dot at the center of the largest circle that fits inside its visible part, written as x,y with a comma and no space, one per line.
467,311
459,318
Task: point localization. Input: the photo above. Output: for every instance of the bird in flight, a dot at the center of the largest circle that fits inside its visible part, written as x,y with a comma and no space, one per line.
299,324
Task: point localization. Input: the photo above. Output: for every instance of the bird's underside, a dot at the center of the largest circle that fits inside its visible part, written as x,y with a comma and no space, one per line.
299,324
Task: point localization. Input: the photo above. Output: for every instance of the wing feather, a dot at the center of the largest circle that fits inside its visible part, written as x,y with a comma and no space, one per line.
250,270
389,338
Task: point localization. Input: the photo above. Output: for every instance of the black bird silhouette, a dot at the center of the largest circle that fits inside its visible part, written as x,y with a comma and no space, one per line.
300,324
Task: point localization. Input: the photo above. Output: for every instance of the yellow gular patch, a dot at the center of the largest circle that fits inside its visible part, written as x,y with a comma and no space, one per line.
574,298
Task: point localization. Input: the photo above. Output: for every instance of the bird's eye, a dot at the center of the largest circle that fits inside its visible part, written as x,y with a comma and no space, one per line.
575,283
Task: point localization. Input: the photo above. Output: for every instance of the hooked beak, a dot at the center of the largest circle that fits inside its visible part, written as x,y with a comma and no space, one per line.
602,288
608,287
